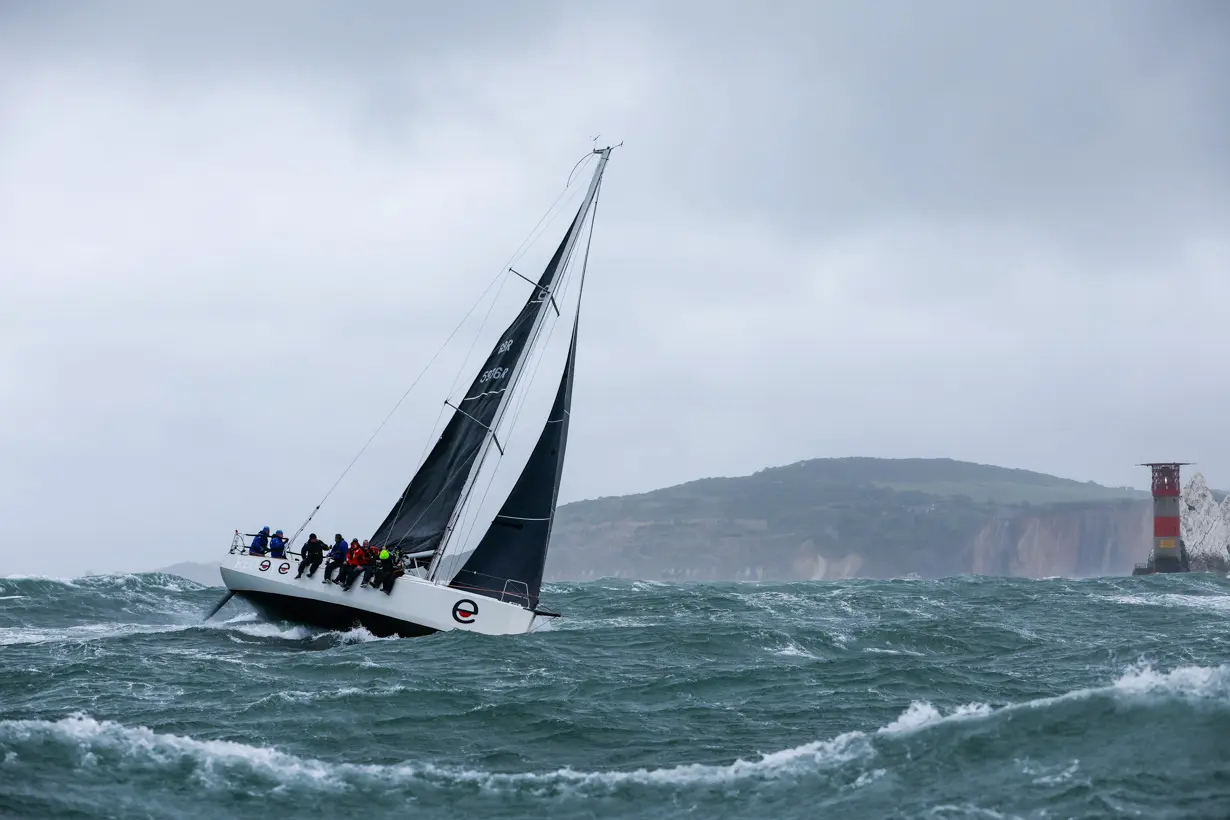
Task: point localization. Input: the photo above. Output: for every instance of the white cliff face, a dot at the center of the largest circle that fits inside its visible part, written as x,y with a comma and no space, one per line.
1205,525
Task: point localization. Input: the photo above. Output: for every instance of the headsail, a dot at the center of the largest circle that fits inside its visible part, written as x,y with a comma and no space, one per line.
509,560
418,520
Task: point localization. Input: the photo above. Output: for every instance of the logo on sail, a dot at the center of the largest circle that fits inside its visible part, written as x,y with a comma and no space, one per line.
464,611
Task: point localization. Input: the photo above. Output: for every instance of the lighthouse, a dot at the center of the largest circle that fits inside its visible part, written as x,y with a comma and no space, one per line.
1169,553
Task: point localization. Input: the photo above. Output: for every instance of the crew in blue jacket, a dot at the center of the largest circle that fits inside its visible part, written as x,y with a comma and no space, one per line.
277,545
337,556
260,543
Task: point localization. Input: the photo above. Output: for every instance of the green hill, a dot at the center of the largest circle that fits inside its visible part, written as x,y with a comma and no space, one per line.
884,517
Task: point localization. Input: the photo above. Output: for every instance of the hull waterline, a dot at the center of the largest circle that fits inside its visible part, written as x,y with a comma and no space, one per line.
329,615
415,607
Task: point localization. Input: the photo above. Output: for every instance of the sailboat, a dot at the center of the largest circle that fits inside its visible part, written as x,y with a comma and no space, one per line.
492,588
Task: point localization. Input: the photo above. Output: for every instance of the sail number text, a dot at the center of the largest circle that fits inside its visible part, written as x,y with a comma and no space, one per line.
493,373
504,347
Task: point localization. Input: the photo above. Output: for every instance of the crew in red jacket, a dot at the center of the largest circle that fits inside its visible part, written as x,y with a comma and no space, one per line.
356,560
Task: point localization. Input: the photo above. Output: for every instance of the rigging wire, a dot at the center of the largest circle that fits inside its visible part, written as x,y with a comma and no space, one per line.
593,216
536,232
552,214
465,368
534,359
523,248
464,466
458,522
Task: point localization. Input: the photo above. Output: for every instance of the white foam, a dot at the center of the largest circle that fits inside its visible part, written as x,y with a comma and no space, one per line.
211,760
246,623
1056,778
1137,681
878,651
265,629
793,650
921,714
360,635
300,696
1185,681
14,635
1211,603
618,622
53,578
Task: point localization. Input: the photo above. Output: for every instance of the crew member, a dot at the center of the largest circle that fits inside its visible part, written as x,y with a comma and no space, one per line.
311,555
387,570
337,557
355,562
370,568
260,542
277,545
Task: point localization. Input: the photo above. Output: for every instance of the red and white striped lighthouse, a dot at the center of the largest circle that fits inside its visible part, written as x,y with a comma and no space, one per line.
1166,524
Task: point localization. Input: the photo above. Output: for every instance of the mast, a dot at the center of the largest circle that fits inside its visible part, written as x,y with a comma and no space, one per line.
544,297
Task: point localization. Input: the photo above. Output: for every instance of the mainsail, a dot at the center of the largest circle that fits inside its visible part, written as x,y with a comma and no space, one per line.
508,562
421,518
418,520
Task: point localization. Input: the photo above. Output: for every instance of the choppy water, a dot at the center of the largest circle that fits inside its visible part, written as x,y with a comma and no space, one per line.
969,697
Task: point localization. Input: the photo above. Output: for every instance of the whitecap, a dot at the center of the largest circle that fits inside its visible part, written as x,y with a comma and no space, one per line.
14,635
875,650
792,650
921,714
212,760
1212,603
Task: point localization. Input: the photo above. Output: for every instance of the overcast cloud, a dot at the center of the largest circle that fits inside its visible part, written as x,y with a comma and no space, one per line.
231,234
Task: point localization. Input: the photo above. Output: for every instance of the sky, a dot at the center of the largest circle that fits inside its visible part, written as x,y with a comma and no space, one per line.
232,235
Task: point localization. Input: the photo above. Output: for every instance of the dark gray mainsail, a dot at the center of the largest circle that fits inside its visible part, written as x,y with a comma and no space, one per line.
509,560
420,518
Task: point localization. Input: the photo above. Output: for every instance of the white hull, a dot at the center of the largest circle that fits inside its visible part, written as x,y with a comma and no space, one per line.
414,607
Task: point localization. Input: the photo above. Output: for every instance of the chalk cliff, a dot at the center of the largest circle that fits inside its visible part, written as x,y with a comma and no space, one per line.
1072,541
1205,526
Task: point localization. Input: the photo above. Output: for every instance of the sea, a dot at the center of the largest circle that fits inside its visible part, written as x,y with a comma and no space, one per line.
969,697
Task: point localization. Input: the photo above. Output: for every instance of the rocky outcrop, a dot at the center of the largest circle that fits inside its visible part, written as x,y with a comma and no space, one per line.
1205,527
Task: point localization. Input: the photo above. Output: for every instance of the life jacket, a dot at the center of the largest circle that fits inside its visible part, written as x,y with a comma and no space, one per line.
357,557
